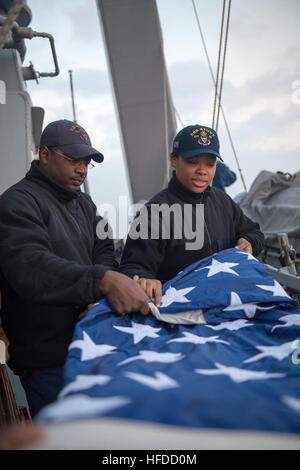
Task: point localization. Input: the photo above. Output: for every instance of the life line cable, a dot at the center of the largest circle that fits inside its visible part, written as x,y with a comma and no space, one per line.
217,94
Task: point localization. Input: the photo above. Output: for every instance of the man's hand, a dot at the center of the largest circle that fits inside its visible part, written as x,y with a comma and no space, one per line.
152,287
15,436
243,244
123,294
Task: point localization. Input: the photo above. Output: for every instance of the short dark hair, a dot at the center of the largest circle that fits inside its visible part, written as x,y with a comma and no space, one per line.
174,154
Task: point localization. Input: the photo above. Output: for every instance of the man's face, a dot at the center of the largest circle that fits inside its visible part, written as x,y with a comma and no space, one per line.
62,169
195,173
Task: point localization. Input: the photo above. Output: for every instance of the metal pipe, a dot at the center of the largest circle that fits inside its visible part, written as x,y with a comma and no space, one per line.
10,20
51,39
20,33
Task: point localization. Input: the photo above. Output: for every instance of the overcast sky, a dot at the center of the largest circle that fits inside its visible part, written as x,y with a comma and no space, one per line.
259,101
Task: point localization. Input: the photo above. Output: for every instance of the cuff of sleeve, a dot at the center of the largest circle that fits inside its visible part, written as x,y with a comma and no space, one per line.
256,250
98,272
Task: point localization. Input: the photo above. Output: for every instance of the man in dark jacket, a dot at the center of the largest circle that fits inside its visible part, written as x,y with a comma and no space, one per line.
152,254
53,265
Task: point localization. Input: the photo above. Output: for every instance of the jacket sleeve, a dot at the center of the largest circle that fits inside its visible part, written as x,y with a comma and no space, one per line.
143,255
28,263
246,228
104,251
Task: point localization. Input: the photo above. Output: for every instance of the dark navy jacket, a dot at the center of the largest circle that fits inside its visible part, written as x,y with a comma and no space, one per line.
224,224
51,266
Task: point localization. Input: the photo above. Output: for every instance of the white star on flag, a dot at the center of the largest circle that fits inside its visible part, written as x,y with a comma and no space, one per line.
90,350
292,402
238,375
276,289
83,382
173,295
159,382
290,320
249,309
231,325
278,352
190,338
217,267
249,256
153,356
81,406
139,331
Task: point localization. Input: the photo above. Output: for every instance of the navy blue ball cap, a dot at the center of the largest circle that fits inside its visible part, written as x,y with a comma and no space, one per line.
196,140
71,138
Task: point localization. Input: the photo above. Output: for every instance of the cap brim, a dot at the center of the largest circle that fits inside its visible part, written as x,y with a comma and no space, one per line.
195,152
82,151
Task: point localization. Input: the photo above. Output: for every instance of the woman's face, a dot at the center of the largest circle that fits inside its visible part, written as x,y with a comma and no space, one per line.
195,173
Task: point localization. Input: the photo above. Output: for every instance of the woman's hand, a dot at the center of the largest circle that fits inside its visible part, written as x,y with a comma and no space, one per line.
83,314
243,244
152,287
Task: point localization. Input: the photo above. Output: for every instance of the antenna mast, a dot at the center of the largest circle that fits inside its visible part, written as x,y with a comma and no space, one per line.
85,183
72,96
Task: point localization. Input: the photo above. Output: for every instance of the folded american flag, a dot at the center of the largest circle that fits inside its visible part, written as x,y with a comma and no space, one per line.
222,351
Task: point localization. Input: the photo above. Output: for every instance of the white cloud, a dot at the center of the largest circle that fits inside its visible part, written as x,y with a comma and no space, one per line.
262,63
285,140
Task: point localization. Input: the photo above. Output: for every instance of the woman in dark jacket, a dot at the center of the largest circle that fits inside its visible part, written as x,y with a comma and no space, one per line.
189,220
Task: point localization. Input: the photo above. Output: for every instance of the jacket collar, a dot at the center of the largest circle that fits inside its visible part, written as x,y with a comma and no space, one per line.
36,175
177,188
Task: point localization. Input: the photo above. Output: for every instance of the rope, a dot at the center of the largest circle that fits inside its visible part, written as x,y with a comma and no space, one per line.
179,118
218,67
9,21
223,67
204,45
221,107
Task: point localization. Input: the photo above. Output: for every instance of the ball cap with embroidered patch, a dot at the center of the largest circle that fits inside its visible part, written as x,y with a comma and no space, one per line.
196,140
71,138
